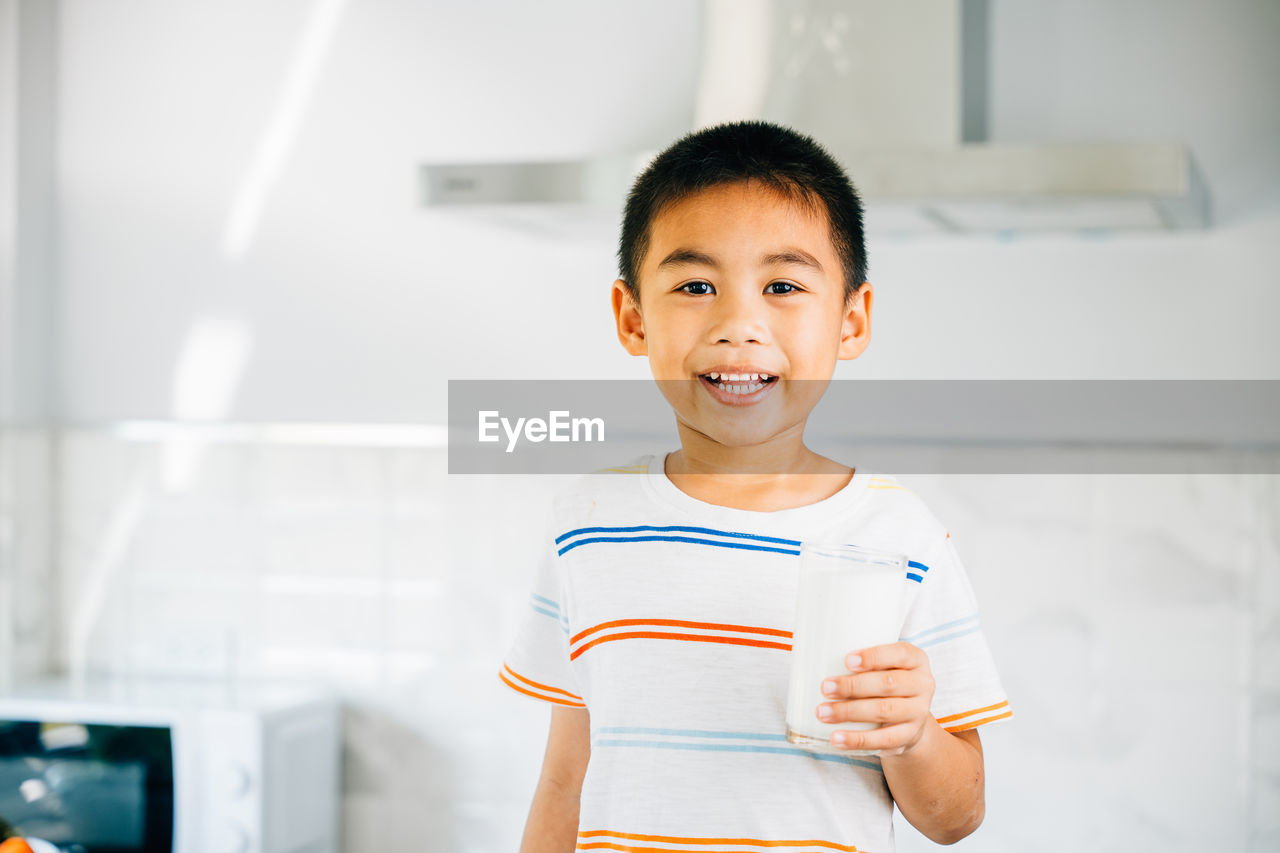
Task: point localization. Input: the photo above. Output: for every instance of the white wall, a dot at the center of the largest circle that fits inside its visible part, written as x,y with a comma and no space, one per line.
355,304
1101,70
1157,306
28,395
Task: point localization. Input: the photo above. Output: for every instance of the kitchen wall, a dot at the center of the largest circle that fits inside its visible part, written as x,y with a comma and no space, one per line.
362,569
240,179
239,239
1135,620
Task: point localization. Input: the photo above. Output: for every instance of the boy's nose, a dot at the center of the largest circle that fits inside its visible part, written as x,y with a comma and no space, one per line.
736,323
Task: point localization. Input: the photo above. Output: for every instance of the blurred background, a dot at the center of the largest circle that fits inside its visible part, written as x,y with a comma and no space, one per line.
237,268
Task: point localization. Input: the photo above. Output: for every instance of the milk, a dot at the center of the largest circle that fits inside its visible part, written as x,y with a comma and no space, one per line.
848,598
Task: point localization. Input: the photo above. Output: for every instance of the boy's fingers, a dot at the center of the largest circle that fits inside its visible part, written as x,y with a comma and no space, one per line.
884,682
899,655
885,737
883,709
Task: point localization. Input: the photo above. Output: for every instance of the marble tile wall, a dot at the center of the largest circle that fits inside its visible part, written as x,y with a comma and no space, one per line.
26,551
1129,616
1135,620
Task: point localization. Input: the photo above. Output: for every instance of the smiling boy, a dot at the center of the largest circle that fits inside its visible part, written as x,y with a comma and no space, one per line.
662,608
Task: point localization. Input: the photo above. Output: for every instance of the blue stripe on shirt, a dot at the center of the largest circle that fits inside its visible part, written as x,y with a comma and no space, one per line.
736,747
943,627
792,550
935,641
564,623
643,730
553,605
741,545
681,528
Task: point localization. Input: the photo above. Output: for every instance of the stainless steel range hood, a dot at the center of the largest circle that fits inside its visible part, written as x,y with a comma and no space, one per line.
897,91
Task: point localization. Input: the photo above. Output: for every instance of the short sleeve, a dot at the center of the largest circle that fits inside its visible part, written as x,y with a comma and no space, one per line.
943,620
537,664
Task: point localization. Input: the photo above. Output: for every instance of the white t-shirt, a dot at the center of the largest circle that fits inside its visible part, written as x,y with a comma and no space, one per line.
670,620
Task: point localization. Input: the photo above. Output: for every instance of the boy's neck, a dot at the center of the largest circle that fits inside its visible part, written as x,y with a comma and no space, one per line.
779,474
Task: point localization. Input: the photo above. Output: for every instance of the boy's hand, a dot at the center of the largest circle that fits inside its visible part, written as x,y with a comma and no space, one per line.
891,685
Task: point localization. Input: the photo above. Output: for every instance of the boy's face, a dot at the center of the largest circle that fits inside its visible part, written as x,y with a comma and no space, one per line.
739,280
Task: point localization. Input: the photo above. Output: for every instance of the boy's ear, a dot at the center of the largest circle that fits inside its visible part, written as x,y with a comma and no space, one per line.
855,328
630,324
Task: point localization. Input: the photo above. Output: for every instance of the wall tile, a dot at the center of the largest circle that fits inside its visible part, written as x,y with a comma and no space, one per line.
418,544
335,541
1130,780
291,475
27,548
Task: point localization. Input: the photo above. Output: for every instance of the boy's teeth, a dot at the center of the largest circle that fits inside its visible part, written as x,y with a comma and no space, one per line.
740,387
740,383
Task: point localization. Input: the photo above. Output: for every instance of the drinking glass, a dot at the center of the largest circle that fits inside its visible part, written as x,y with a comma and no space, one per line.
848,598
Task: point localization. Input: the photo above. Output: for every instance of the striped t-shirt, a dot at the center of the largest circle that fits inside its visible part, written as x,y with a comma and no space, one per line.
670,620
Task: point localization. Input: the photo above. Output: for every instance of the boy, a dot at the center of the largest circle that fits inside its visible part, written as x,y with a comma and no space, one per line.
663,605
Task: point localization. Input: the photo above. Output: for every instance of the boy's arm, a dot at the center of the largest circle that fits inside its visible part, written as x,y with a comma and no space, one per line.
552,826
935,776
938,786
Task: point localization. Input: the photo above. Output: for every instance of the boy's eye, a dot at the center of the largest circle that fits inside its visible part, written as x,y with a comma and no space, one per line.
697,288
789,287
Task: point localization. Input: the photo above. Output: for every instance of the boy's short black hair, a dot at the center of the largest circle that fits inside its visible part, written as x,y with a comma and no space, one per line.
779,157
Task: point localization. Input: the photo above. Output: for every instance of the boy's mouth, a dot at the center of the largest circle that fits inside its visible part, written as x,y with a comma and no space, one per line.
738,388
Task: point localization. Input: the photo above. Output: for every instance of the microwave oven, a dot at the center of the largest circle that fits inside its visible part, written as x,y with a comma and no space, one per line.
172,767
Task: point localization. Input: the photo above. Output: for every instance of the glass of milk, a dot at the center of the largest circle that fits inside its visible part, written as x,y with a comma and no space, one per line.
848,598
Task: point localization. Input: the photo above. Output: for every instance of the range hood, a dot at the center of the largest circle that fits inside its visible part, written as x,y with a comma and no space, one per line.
897,91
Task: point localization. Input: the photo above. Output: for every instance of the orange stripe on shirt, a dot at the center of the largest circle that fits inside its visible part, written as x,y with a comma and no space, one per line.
680,623
676,839
977,723
515,686
951,717
631,848
533,683
699,638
